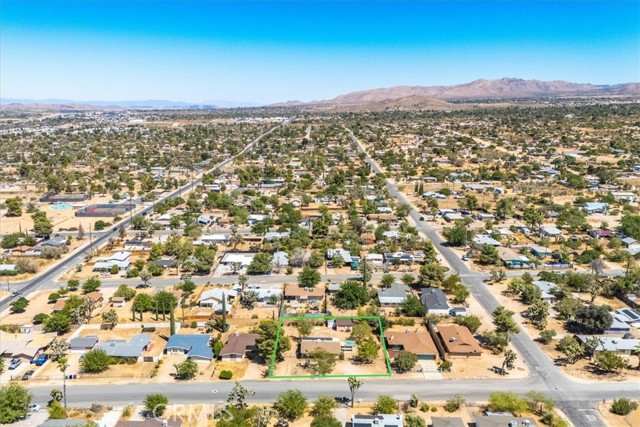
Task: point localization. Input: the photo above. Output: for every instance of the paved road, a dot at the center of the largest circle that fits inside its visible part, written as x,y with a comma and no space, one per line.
47,279
545,376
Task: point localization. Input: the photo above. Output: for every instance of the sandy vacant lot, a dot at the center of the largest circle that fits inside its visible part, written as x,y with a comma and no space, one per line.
613,420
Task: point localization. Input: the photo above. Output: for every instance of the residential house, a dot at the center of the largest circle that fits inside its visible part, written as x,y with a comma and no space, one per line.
83,344
341,325
206,220
550,231
279,260
625,197
458,341
54,242
512,259
434,300
241,258
378,420
118,301
595,207
632,245
293,292
342,253
8,267
274,236
546,290
394,295
540,251
480,240
25,346
68,422
237,346
600,233
310,344
196,347
447,422
123,349
419,343
504,421
137,245
628,315
213,298
122,259
374,259
617,345
399,258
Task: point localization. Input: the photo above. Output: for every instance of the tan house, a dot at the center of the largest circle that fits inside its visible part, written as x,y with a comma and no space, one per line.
237,346
458,341
118,302
418,343
332,345
296,293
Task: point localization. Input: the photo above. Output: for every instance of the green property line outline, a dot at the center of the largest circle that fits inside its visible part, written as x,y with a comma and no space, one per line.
272,364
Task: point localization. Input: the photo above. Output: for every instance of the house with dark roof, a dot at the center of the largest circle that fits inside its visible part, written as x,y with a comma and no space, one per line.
196,347
447,422
435,301
237,346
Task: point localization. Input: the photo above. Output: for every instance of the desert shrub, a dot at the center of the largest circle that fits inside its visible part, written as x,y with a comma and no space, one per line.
623,406
226,375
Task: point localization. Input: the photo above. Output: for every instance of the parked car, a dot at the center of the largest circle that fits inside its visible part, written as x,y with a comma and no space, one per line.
34,407
40,360
15,362
142,286
27,375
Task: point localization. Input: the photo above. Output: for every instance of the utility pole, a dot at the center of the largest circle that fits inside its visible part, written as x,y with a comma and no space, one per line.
90,241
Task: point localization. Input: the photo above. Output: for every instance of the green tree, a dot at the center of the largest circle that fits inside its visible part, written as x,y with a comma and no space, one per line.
325,421
186,370
14,206
94,361
503,321
367,350
405,361
608,361
19,305
155,404
261,264
571,348
458,235
304,327
238,396
431,274
547,336
501,401
412,420
471,322
291,405
143,302
110,318
488,255
354,385
324,405
125,292
460,294
455,403
56,411
508,363
630,226
58,322
351,295
14,403
592,319
308,277
323,362
412,307
537,313
387,280
91,285
385,405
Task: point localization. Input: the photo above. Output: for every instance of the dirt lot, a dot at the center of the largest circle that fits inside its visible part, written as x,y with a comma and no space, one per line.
583,368
292,365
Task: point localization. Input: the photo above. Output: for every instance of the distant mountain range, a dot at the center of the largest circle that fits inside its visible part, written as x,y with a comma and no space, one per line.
151,103
436,97
398,97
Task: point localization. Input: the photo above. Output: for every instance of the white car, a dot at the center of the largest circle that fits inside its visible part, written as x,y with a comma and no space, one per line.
34,407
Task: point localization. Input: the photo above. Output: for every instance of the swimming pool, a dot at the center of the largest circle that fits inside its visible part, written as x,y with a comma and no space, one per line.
62,206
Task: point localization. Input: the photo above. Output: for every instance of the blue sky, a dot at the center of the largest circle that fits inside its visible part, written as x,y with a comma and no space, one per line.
270,51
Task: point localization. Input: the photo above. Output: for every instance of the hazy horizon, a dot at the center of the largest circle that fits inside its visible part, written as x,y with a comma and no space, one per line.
263,52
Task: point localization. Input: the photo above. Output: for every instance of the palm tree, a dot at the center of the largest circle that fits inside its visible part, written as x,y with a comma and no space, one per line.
63,365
